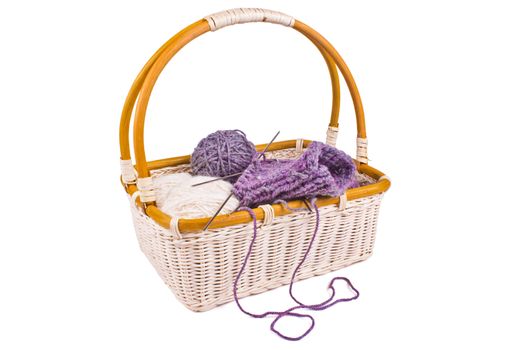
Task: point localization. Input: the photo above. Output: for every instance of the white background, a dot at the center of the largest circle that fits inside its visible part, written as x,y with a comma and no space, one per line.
443,87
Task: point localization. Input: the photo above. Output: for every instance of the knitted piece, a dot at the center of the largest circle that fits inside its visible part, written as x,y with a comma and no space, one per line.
322,170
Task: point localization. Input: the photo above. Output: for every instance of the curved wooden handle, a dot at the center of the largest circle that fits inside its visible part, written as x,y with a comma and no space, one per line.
143,85
197,29
127,110
194,31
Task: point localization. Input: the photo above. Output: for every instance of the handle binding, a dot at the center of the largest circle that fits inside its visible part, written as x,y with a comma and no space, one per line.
362,150
331,135
247,15
127,171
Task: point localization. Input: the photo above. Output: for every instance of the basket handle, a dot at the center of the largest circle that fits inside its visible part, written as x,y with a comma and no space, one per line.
128,172
220,20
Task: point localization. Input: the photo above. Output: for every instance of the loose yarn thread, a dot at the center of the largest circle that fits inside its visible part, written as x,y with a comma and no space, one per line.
291,311
223,153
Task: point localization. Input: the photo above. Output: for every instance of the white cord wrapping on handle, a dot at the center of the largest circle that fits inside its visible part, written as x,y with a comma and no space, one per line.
147,191
269,214
174,227
331,136
362,150
133,200
246,15
128,171
299,145
343,201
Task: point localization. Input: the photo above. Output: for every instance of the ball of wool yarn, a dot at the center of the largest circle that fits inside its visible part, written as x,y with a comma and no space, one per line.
176,196
222,153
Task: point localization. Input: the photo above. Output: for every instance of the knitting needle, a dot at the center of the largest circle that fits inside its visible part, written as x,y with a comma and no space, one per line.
307,205
268,145
217,212
217,179
240,173
231,194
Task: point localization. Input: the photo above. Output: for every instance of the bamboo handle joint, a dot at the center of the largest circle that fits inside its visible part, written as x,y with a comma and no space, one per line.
331,136
362,150
128,172
146,188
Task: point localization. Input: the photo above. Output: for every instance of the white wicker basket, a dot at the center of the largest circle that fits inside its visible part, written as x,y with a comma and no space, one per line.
200,266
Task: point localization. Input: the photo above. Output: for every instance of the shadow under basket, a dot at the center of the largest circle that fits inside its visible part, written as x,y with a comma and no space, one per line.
200,266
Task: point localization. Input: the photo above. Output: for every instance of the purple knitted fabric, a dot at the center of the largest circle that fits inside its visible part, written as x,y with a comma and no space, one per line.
222,153
322,170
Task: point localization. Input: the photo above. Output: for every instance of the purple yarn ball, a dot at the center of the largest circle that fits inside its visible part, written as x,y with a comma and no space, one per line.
222,153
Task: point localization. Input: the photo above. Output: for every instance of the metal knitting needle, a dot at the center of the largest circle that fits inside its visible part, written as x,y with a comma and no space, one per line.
217,213
216,179
240,173
268,145
307,205
231,194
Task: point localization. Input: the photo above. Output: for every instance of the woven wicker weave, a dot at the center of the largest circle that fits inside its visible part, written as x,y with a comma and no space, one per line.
200,266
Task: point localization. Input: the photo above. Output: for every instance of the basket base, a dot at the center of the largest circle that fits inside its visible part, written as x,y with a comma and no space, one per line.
200,268
268,286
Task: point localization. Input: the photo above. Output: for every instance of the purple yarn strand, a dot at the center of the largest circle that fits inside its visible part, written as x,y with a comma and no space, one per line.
286,206
290,288
290,312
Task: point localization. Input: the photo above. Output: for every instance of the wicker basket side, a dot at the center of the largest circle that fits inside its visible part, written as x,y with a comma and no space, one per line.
200,268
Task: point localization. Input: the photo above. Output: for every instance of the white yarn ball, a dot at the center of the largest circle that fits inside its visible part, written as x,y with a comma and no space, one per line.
177,197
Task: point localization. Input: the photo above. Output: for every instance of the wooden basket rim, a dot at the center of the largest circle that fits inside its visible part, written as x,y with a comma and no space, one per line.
243,217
